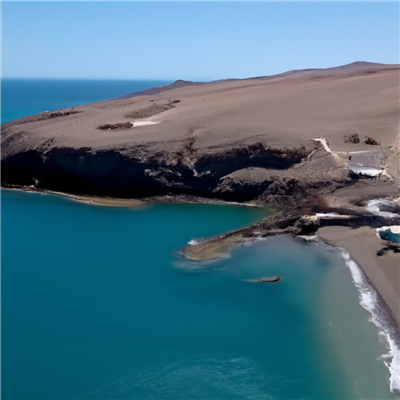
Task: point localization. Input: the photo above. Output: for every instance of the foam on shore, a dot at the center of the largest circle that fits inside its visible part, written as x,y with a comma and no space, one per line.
373,206
369,299
332,215
393,228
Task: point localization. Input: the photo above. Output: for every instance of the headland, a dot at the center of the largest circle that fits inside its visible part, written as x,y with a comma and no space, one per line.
316,145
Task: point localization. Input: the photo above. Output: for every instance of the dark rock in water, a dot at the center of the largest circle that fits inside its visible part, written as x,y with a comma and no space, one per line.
307,225
266,279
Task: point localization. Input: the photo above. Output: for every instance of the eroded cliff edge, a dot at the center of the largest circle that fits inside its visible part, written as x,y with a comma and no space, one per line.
297,141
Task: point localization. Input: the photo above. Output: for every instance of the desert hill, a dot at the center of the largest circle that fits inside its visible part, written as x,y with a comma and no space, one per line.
230,139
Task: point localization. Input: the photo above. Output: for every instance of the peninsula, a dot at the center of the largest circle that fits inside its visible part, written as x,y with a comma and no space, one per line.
316,144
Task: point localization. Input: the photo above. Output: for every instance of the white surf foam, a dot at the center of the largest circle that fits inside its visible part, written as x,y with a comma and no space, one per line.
391,228
369,300
332,215
373,207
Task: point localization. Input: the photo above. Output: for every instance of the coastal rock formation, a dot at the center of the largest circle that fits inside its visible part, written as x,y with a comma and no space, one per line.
275,141
290,142
266,279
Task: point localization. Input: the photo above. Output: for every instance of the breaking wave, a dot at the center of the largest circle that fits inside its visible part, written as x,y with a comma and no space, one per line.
371,301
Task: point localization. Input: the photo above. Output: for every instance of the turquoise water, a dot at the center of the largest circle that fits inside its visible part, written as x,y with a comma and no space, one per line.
97,303
389,235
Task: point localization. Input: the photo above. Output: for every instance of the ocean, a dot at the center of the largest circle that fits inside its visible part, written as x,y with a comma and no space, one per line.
98,303
22,97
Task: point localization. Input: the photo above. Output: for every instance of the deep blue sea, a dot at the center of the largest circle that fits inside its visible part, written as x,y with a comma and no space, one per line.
97,302
22,97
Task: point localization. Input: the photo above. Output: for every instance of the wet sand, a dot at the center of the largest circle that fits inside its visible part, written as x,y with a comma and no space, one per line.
103,201
210,249
92,200
206,250
363,244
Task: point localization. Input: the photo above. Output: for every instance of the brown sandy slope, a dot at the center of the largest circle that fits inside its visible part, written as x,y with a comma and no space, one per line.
258,129
283,110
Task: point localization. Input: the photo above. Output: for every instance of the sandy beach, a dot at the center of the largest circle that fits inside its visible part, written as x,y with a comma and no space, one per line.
363,244
92,200
102,201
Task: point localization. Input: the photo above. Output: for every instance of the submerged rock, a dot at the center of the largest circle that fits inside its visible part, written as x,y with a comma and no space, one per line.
265,279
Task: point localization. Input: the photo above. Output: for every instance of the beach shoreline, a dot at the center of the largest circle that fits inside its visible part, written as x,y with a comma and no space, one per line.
377,280
383,271
90,200
362,243
133,202
291,142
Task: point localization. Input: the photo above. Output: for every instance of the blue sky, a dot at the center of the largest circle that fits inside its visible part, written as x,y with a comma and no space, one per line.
192,40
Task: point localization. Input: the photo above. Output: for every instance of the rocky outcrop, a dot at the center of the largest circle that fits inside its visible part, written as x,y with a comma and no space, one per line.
266,279
352,138
139,172
290,142
289,222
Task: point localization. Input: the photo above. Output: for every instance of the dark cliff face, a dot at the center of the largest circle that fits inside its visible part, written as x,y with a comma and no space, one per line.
232,140
116,173
254,155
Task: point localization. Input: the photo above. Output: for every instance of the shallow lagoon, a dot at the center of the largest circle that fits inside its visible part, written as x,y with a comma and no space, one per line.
97,303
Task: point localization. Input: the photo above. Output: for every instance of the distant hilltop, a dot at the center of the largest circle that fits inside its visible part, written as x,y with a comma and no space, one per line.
332,70
149,92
